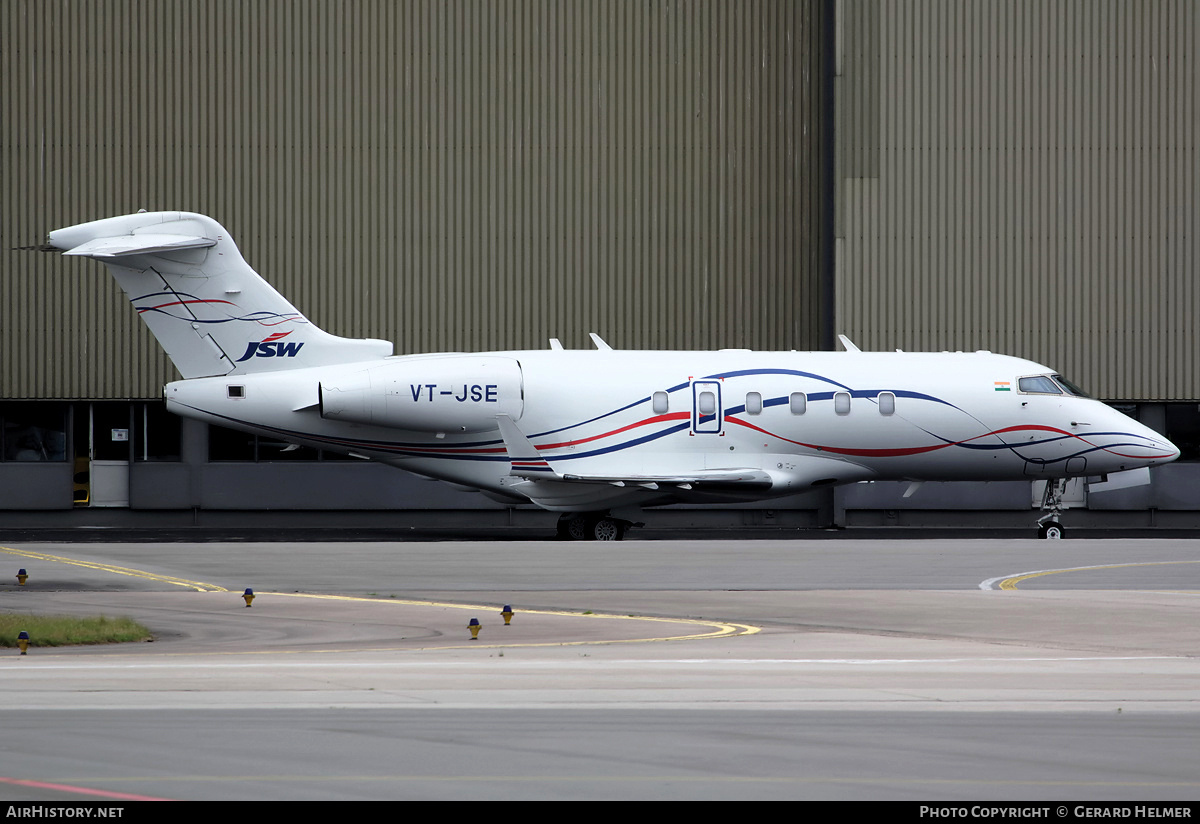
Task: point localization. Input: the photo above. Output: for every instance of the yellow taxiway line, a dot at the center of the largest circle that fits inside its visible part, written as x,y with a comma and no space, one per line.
199,586
716,629
1011,582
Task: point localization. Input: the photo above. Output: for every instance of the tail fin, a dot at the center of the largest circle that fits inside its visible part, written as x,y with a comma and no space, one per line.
208,309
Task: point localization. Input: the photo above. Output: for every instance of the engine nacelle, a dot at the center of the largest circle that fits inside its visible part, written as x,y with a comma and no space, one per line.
446,393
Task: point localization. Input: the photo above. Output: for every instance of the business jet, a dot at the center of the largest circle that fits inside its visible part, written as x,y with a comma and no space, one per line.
596,435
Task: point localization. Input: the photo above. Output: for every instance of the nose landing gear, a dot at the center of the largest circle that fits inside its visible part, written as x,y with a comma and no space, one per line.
1051,530
1049,525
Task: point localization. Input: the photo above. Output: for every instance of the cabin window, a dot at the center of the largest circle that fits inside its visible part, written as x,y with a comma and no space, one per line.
841,403
659,403
798,403
236,390
887,403
754,405
1039,384
708,403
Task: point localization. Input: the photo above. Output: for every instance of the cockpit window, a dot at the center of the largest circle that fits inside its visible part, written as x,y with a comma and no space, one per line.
1070,388
1041,384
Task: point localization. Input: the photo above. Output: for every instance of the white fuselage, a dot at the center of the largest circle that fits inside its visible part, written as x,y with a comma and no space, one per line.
588,430
806,419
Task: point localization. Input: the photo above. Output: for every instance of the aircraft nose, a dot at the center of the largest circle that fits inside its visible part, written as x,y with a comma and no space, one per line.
1127,443
1172,449
1158,450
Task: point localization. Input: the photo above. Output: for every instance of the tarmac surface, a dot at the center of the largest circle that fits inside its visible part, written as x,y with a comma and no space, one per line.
932,670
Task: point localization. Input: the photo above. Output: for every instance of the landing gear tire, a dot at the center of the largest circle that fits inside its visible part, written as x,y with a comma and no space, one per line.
607,529
578,528
1051,531
592,526
1049,527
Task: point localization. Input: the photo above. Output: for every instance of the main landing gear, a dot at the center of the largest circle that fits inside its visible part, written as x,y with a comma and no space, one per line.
591,526
1049,525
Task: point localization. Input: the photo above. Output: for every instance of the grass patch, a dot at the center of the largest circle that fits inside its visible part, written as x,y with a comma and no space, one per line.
68,630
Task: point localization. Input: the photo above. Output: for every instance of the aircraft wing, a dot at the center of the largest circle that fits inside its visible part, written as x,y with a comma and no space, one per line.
685,481
527,462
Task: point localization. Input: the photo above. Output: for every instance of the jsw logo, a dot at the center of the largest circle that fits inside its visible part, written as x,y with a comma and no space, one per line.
270,347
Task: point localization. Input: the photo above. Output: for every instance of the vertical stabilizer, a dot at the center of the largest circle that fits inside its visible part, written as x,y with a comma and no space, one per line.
208,309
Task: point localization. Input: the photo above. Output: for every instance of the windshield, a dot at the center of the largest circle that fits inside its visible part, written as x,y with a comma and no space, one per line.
1071,388
1040,384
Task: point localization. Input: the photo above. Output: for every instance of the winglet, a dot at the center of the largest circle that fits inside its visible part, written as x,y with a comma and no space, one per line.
599,341
523,456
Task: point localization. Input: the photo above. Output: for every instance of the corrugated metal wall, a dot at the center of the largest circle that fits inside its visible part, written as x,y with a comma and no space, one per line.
1024,177
447,175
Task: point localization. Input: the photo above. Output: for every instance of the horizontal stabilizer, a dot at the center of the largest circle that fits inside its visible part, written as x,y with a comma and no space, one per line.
125,245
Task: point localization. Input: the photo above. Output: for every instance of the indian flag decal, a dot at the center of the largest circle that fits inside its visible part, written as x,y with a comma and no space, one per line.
1003,386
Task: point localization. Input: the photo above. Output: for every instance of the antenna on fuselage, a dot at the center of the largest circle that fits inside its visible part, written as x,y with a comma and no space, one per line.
848,344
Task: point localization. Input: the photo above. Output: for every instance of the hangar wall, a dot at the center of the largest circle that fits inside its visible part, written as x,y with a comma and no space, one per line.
1016,175
445,175
1022,177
